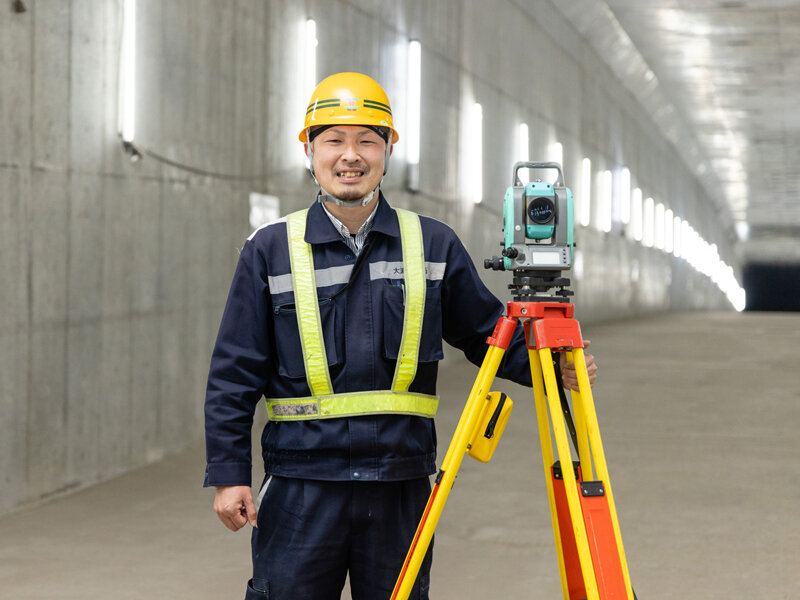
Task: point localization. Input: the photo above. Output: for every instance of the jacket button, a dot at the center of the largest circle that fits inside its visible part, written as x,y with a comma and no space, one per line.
356,475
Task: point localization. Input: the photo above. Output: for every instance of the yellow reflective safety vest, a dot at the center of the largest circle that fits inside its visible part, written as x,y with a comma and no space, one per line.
323,403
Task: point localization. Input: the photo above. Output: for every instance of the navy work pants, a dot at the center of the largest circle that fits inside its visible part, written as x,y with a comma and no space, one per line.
312,534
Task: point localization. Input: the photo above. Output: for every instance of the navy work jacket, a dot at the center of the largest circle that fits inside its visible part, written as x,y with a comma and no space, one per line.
258,351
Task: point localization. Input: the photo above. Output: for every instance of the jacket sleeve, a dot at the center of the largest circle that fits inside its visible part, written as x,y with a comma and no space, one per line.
240,367
469,315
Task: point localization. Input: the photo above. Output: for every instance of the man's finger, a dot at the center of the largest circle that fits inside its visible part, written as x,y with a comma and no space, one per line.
228,522
239,519
250,512
232,517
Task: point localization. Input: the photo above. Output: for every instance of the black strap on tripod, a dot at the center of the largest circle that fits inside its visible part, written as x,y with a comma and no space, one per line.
564,403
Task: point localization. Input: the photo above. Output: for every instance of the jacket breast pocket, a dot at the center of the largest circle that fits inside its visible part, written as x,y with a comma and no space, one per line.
289,348
430,343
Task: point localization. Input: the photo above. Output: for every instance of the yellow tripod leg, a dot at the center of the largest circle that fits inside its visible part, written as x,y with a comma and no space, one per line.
570,485
579,414
547,457
470,417
583,398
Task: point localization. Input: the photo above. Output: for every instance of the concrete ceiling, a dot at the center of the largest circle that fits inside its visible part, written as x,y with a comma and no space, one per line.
721,78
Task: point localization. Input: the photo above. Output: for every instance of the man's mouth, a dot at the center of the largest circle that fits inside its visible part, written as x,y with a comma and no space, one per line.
349,174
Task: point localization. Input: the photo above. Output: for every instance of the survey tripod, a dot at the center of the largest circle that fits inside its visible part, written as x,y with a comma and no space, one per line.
588,543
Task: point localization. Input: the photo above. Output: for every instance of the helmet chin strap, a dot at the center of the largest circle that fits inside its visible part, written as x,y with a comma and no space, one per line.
326,197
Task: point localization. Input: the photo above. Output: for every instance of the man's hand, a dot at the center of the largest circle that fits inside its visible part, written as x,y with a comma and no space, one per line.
234,506
569,375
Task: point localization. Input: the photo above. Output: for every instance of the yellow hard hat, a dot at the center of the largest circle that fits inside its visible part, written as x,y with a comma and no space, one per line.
348,99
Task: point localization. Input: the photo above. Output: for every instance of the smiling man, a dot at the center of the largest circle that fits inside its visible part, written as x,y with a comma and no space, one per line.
336,315
348,162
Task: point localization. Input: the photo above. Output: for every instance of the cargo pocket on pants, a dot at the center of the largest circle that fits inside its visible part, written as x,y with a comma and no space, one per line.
257,589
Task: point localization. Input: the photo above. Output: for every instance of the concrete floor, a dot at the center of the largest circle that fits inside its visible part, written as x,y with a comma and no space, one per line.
699,416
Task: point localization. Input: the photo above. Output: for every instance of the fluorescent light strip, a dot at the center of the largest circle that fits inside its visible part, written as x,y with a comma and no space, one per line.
310,67
705,259
127,85
586,192
606,211
523,143
669,238
624,195
308,55
659,226
475,149
414,91
555,153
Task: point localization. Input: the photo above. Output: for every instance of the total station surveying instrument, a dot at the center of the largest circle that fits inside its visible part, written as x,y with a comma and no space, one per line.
538,246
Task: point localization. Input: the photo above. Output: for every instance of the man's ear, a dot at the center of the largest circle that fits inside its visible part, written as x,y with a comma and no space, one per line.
305,147
391,149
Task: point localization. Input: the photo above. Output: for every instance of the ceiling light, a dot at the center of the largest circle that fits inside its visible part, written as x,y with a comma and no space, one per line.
414,92
127,76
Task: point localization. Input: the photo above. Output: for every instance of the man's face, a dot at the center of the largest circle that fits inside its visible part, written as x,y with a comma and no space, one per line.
348,161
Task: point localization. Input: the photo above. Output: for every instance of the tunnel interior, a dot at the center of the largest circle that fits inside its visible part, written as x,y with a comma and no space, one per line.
772,287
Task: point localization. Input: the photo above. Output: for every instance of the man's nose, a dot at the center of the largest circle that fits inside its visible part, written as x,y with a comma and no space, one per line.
350,151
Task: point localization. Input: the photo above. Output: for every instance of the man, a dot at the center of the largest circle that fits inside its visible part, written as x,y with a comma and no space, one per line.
337,315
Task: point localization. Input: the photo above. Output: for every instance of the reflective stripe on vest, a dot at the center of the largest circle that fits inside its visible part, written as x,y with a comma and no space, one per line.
414,297
323,403
353,404
307,307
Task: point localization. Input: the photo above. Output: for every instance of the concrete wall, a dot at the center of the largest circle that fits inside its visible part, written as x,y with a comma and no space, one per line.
114,273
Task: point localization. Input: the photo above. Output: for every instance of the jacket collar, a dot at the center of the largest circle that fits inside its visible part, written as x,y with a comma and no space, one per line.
320,230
